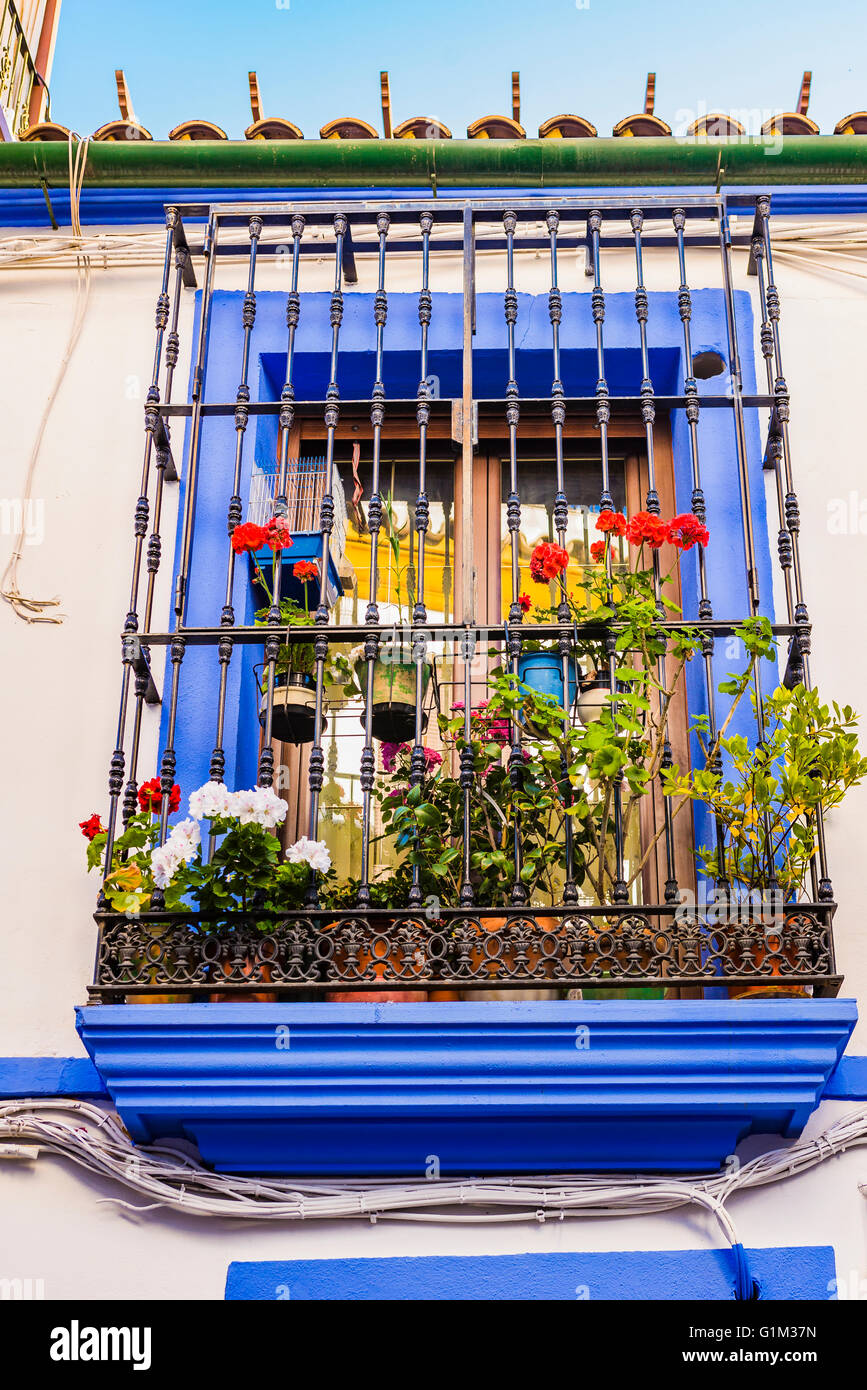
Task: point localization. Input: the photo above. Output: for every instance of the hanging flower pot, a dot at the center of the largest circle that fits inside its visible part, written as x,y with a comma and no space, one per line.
393,705
542,671
293,710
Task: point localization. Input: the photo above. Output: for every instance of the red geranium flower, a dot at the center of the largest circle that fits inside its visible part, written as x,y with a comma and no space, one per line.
645,527
525,603
547,561
305,570
91,827
150,796
278,535
597,550
609,521
248,536
686,531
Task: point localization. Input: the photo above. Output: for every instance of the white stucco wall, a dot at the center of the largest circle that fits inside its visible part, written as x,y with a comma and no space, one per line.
58,701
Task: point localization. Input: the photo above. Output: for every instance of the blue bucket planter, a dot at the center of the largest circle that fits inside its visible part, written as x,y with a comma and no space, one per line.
543,672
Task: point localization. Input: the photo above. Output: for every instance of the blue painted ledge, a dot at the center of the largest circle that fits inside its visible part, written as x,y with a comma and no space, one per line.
483,1088
781,1272
29,1077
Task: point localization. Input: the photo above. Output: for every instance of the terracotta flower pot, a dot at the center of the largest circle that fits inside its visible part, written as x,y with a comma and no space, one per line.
380,959
765,989
229,966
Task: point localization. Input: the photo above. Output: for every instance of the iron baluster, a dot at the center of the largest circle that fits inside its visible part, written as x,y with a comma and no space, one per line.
374,524
651,503
619,893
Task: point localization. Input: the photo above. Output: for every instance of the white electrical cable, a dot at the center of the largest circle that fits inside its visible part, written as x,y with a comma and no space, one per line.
33,610
95,1140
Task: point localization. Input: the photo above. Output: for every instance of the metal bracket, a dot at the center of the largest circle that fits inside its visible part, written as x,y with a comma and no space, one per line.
142,667
180,243
164,450
350,270
752,268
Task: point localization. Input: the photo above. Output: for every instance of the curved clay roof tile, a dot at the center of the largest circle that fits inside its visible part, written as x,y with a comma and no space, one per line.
421,128
46,130
197,130
273,128
716,124
790,123
641,125
567,128
856,124
122,130
348,128
496,128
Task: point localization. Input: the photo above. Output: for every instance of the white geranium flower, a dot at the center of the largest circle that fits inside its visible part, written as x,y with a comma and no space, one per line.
185,839
259,806
213,799
270,808
164,865
179,848
312,852
243,806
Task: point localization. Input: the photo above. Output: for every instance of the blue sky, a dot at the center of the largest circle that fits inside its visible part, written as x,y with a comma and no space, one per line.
318,59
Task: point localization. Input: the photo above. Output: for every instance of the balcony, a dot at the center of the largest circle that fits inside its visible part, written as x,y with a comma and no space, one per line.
560,869
525,716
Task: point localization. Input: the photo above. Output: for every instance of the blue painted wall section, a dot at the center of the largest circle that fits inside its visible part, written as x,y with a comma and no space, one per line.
848,1081
117,207
26,1077
781,1272
487,1088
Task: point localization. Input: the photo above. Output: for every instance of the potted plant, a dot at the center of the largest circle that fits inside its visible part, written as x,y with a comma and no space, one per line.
293,700
129,884
244,875
540,665
765,801
293,704
393,700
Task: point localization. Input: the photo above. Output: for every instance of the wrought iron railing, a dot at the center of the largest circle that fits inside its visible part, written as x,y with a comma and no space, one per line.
458,945
17,69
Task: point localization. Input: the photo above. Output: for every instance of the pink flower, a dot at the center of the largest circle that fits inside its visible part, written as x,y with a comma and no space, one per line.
389,752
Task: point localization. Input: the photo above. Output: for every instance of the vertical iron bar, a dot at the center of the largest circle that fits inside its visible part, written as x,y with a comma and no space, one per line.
169,758
130,647
467,772
235,509
620,892
326,525
752,576
422,520
519,894
775,450
183,579
561,521
467,775
648,416
801,641
142,514
374,524
705,608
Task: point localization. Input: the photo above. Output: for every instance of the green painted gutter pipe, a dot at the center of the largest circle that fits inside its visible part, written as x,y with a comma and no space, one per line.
444,164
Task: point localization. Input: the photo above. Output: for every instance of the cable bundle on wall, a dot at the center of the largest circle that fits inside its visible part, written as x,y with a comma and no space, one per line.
95,1140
